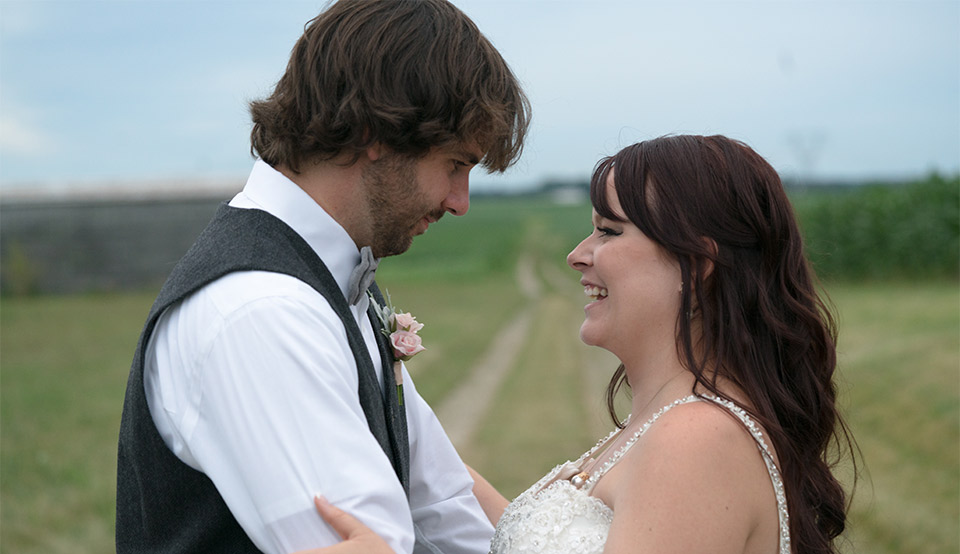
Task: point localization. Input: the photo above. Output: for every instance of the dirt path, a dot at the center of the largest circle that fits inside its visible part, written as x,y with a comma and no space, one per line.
463,409
596,365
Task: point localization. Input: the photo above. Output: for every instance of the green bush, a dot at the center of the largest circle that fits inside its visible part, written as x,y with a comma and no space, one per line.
884,231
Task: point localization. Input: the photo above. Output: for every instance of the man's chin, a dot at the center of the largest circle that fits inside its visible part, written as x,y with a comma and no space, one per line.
397,244
394,248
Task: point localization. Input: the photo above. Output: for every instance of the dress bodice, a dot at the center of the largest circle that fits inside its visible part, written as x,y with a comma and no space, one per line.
553,518
557,515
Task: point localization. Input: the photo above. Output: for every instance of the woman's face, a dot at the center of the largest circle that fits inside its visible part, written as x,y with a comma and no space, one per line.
633,284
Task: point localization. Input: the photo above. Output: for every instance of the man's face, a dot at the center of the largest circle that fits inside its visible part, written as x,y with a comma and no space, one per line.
407,194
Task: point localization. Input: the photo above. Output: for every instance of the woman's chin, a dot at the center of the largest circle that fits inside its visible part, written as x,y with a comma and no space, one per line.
588,336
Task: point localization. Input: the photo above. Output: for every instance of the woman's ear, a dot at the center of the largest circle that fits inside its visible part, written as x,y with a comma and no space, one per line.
706,264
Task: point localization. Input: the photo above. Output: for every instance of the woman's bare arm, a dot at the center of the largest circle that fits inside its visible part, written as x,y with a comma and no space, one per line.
492,502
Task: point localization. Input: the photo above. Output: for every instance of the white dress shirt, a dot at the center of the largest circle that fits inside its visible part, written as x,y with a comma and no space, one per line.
251,381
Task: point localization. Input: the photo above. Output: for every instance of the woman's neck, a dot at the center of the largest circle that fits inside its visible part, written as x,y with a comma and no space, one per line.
656,378
651,394
656,374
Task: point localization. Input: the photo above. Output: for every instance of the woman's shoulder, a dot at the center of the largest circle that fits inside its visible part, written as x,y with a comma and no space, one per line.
703,426
700,442
696,461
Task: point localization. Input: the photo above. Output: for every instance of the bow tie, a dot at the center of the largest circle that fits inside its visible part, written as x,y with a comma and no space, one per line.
362,276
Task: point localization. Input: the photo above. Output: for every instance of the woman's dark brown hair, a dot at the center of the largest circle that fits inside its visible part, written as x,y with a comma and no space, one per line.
763,325
409,74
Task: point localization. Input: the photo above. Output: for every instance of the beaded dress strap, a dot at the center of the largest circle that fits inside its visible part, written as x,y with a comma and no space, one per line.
602,470
752,427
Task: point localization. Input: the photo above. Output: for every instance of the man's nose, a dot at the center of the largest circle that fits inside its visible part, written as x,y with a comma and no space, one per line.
457,201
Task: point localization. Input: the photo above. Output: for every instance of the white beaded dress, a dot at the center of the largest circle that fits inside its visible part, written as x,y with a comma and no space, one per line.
557,515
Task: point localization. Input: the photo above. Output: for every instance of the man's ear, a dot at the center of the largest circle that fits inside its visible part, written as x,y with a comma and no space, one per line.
375,151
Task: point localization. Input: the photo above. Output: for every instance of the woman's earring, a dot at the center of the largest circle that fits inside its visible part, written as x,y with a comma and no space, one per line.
681,288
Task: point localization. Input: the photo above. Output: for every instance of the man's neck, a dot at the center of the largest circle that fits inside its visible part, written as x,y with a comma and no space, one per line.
335,186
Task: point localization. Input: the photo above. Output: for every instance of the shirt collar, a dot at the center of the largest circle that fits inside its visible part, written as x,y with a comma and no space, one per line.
269,190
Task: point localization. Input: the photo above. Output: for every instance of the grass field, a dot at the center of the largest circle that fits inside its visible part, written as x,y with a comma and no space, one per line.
64,360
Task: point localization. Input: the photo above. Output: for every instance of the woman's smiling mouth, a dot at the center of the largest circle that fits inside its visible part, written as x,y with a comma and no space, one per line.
594,292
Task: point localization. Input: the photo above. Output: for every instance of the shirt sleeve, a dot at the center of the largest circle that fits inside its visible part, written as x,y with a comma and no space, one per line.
442,502
273,418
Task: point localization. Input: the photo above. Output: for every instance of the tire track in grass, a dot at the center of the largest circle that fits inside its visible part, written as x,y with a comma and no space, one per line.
461,411
537,417
538,351
596,364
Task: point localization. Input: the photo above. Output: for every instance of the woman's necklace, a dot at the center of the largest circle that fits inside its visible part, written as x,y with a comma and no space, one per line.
574,470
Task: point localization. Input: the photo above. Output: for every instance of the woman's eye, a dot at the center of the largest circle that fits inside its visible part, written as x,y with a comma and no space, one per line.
607,232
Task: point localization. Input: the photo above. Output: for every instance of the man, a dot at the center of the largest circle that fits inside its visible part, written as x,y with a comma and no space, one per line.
260,379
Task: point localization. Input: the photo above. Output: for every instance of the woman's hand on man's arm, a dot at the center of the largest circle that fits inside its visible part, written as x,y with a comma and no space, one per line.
360,539
357,537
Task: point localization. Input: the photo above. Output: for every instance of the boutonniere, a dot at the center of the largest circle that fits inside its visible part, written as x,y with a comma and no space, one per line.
401,329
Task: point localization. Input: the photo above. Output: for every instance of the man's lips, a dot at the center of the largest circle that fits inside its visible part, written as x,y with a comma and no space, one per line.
423,225
428,220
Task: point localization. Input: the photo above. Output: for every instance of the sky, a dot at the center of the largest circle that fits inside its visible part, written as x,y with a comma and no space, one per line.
146,92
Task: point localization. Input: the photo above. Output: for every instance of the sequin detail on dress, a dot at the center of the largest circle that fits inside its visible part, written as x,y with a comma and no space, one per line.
556,517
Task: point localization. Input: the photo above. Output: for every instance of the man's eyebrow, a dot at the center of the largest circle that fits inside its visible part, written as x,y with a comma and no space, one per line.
472,158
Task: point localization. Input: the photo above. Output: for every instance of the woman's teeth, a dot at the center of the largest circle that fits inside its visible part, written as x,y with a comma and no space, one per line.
595,292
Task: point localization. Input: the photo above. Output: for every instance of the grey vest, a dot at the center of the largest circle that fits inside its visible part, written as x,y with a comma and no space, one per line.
164,505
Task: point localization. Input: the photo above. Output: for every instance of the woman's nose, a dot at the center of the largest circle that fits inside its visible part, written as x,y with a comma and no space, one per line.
578,257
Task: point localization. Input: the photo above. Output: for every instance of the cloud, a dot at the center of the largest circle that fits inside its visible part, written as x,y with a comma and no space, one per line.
23,139
22,18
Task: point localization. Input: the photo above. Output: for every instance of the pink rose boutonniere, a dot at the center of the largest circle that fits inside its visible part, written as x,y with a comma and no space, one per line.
401,328
405,344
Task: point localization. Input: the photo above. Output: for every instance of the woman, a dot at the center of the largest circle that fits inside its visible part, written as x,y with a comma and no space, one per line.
698,284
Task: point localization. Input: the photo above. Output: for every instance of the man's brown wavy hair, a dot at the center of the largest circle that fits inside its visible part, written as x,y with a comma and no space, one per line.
408,74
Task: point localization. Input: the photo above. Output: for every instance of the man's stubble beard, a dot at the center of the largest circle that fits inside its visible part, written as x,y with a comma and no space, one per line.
397,203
